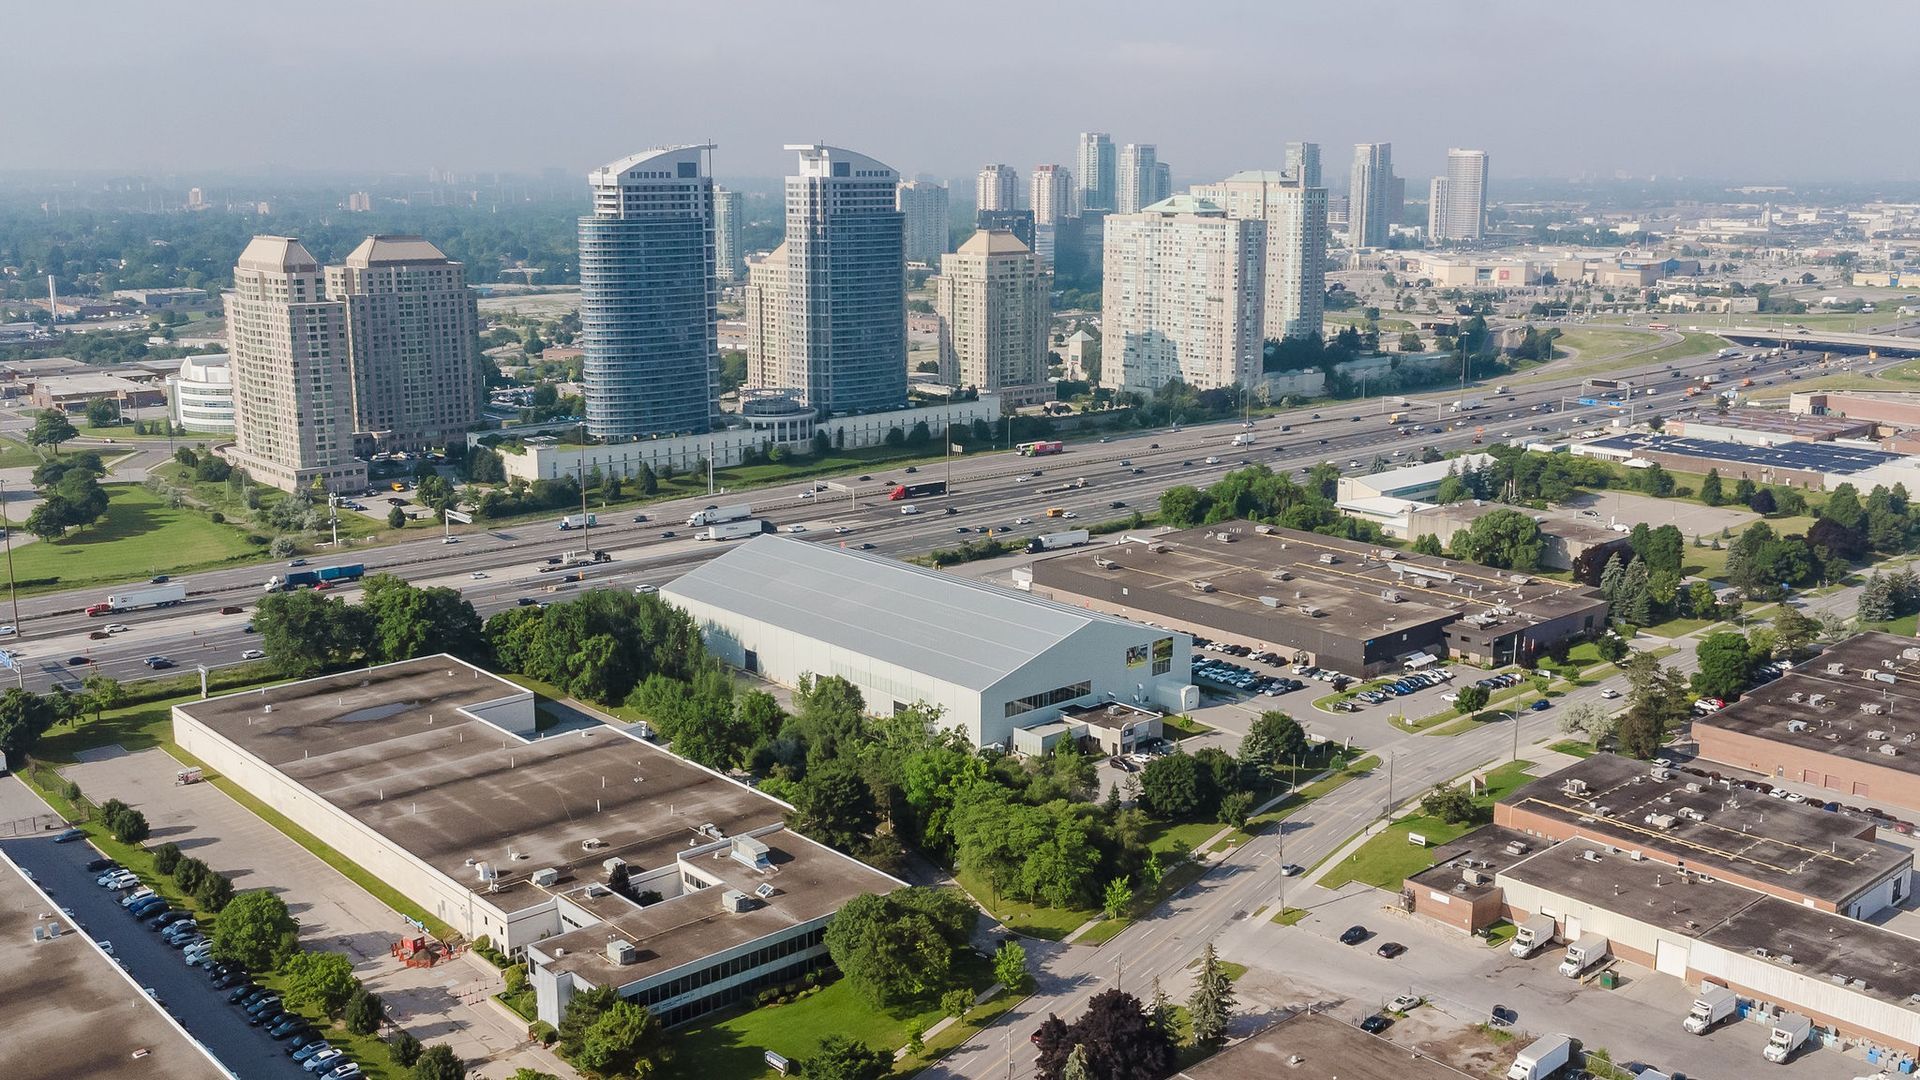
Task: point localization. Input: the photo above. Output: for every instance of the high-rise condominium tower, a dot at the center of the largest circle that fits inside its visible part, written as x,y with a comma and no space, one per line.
1458,208
729,261
997,188
925,205
1296,218
292,384
1303,162
413,343
1138,177
1183,297
1095,166
648,294
991,296
836,289
1052,194
1368,194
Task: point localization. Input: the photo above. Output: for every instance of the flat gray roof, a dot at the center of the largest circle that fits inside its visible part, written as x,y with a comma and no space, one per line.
1791,846
1328,1049
1838,723
954,629
1646,890
68,1012
1875,961
1484,850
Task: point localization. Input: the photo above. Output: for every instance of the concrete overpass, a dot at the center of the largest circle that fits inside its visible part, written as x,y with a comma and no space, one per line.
1827,340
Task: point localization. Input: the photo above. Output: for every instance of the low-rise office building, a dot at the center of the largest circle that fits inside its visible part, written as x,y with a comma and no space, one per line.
992,660
1417,483
200,393
1340,604
1836,722
431,776
73,393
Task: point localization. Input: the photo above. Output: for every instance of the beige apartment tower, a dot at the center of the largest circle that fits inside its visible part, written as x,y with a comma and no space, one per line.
292,377
1295,214
1184,297
413,344
1052,194
770,361
991,296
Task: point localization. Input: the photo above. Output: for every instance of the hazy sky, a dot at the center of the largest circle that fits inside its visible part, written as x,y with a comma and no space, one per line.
1753,90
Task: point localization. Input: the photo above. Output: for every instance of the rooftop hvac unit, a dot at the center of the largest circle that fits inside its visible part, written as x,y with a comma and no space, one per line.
546,877
1575,787
1474,877
1158,549
765,890
1874,736
750,852
1388,554
734,901
486,871
1390,596
1660,773
1910,653
1662,821
1889,750
622,952
1310,611
1836,669
1693,787
1691,814
1818,701
1520,579
1636,855
1328,558
1590,855
1872,708
1796,697
1516,847
1801,725
593,843
1265,530
610,865
1884,676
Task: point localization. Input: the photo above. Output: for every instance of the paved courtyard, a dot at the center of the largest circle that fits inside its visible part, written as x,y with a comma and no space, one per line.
1692,519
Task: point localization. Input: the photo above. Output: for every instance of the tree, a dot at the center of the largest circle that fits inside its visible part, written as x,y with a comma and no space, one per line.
1611,647
1762,501
1010,966
1121,1042
1470,699
1076,1067
900,947
166,857
24,717
1118,897
307,632
1657,701
836,805
957,1003
1503,538
1451,804
438,1062
396,518
1235,808
531,1074
581,1012
103,412
1427,544
1793,632
1726,665
365,1013
403,1048
1710,492
841,1058
1273,740
255,931
51,428
1591,722
1173,786
129,826
319,980
1212,1000
405,622
102,692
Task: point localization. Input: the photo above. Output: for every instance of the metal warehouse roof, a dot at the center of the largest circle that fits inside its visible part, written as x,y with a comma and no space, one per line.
954,629
1813,457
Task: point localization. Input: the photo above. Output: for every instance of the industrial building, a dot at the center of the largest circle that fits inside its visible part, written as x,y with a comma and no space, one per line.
1702,880
992,660
1837,722
73,393
1812,465
430,774
1315,1046
1340,604
1893,409
1766,427
1417,483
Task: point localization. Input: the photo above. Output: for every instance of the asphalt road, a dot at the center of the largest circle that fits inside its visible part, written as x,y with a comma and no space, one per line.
498,567
184,991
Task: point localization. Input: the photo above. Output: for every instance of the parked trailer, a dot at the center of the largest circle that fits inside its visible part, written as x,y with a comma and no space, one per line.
1058,541
1546,1056
1532,936
1714,1004
1790,1032
734,530
149,596
717,514
1582,955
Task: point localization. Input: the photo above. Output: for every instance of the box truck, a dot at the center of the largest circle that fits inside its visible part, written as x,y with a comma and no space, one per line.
1542,1059
145,596
327,576
715,515
1714,1004
1058,541
1582,955
1532,936
734,530
578,521
1790,1030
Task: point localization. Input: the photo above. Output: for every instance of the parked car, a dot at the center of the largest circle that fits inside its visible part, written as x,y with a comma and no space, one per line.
1390,950
1375,1024
1354,935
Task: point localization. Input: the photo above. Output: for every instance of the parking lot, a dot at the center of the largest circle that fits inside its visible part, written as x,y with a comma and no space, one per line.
1692,519
447,1003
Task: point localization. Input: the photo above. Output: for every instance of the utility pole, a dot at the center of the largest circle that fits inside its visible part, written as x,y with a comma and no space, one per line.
6,526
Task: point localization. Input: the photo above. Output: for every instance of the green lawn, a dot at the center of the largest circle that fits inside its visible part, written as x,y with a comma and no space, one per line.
139,536
1691,344
16,455
1183,726
1033,920
1388,858
1574,747
1290,916
1601,342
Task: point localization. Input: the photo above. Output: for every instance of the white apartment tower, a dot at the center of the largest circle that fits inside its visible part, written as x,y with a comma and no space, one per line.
413,343
1095,165
1139,176
729,261
831,301
1369,193
925,205
997,188
991,296
1183,298
292,382
1461,202
1296,219
1303,163
1052,194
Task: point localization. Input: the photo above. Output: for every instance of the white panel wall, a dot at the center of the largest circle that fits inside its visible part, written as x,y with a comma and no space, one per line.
1799,990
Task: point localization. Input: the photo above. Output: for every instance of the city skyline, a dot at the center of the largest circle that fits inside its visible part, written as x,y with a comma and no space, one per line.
950,134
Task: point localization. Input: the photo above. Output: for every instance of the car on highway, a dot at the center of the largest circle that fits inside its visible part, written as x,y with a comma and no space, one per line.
76,661
668,535
1390,950
1290,870
1116,505
1354,935
449,539
297,563
1023,521
796,528
116,628
1540,706
866,547
253,654
1609,693
158,663
157,579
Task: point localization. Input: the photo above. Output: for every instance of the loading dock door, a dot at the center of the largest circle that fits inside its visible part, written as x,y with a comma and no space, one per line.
1670,958
1573,928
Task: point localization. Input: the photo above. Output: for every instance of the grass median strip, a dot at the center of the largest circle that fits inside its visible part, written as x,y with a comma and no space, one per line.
1389,857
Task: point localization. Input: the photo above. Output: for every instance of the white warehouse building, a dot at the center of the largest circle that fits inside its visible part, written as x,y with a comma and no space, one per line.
993,660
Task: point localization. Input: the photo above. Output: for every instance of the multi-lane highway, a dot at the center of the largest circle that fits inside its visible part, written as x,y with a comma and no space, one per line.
498,567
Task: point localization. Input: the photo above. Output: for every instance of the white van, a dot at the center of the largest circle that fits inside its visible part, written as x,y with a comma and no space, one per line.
909,509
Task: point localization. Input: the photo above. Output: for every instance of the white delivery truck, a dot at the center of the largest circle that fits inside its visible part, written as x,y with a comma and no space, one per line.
734,530
578,521
148,596
1532,936
1714,1004
1547,1055
1245,438
1582,955
715,515
1058,541
1790,1031
1467,404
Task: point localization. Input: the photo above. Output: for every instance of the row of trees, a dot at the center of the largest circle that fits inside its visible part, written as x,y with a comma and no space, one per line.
305,632
70,493
1121,1038
1257,493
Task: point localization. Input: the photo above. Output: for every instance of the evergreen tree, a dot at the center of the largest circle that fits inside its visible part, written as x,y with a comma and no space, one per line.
1710,492
1211,1002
